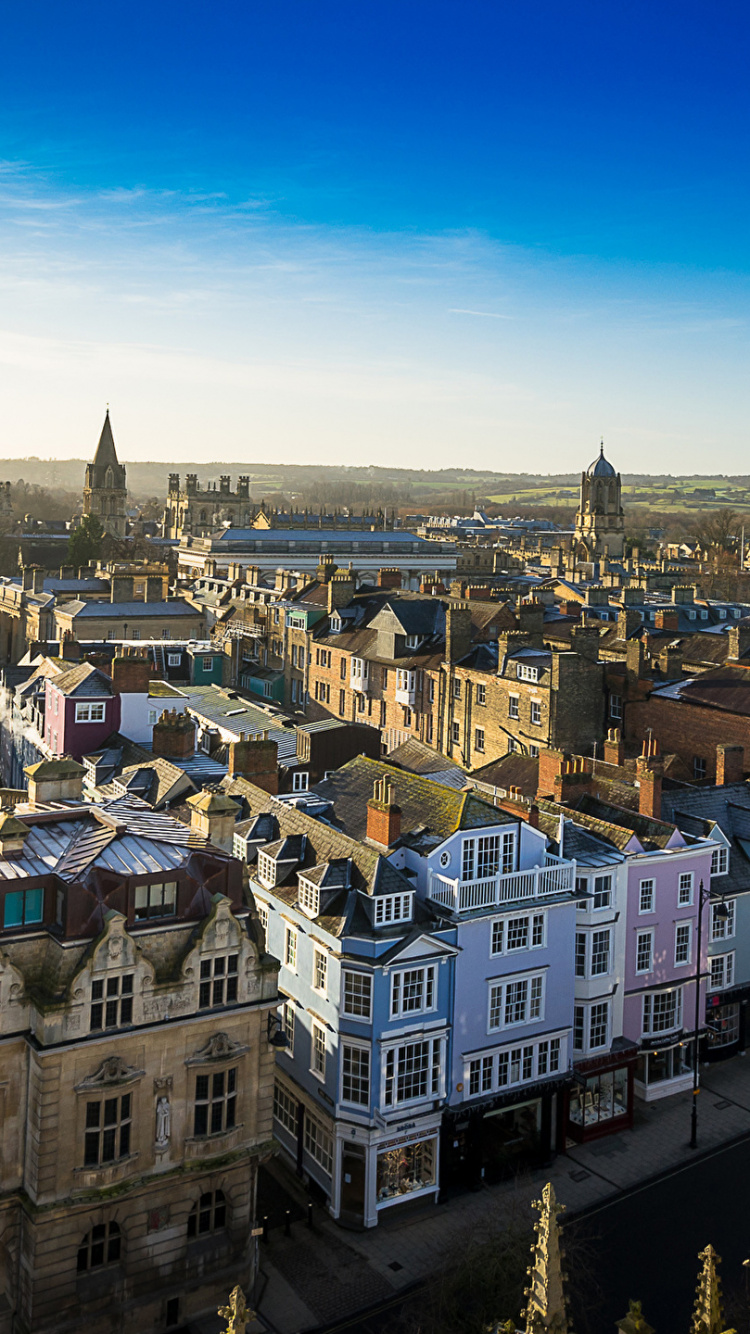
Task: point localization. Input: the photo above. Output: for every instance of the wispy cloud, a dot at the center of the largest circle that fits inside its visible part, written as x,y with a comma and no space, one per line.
484,314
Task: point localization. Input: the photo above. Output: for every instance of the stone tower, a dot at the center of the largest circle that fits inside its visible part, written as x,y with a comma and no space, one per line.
600,521
105,492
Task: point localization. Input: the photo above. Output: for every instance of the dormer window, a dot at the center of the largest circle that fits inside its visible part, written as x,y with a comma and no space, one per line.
392,908
266,870
526,673
336,624
309,897
412,641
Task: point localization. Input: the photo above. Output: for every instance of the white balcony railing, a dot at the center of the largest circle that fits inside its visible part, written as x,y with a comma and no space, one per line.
359,682
407,697
536,883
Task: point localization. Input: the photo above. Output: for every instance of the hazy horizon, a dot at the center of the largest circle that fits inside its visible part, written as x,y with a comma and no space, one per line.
413,235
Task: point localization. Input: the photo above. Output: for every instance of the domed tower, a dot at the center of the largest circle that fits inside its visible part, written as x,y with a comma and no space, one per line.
105,493
600,521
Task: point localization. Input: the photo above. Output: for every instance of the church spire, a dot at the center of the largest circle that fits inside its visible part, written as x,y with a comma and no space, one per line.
106,454
545,1307
707,1316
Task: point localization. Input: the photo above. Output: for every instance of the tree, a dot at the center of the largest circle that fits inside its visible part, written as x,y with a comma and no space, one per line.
85,542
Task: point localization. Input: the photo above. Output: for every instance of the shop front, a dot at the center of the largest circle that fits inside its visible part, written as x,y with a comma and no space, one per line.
601,1099
383,1168
664,1068
492,1140
726,1019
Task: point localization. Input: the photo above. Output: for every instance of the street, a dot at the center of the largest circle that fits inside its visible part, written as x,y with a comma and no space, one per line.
643,1245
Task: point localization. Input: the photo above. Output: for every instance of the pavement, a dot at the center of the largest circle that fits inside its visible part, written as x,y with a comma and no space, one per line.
318,1275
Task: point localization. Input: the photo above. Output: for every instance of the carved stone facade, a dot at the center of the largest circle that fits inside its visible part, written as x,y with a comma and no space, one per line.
136,1080
105,493
201,511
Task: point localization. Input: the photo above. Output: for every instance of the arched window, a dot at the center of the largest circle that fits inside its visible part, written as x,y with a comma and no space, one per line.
109,479
113,506
204,516
100,1246
209,1215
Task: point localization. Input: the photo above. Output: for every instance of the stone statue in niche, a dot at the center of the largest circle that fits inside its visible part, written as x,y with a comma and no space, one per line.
163,1121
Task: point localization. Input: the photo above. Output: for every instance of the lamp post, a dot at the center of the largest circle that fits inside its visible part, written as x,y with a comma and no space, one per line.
721,910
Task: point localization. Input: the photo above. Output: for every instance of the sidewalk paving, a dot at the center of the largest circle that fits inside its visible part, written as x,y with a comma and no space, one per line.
328,1273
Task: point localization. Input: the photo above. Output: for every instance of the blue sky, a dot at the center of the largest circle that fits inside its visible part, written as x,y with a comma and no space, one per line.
412,233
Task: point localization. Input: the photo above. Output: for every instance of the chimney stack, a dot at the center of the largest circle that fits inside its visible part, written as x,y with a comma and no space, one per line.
650,771
730,765
257,759
383,815
614,747
173,736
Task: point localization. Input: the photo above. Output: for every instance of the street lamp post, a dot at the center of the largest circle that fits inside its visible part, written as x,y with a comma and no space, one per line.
721,910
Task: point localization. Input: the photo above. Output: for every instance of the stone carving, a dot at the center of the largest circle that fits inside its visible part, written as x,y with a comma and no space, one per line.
220,1047
114,947
111,1071
236,1313
163,1121
162,1083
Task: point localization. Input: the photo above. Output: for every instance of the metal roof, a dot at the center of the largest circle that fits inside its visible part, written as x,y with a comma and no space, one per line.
85,610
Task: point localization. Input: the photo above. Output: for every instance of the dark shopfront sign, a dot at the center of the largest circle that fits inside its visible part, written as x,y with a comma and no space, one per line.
523,1093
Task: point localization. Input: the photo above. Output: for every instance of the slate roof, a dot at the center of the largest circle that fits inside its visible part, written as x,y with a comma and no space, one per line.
84,679
698,811
425,805
516,770
650,833
96,610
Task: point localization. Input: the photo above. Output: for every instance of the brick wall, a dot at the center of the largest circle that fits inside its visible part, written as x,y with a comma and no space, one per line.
689,730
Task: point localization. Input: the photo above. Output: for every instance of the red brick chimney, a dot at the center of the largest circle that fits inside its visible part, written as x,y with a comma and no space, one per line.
730,765
257,759
650,771
614,748
389,578
383,816
550,766
131,674
173,736
667,620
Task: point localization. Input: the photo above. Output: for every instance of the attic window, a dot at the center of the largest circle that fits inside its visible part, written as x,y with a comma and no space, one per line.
392,908
309,897
336,624
526,673
174,659
266,870
412,641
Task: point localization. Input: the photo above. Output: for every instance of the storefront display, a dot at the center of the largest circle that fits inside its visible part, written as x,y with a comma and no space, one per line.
599,1098
405,1169
723,1024
664,1065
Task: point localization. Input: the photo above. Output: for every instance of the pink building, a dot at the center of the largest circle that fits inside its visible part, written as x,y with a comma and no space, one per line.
81,711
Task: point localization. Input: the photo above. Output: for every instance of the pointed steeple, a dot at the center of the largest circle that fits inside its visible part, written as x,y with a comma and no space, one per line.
106,454
707,1316
545,1306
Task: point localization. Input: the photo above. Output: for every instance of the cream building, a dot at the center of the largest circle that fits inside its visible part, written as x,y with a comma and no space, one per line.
136,1069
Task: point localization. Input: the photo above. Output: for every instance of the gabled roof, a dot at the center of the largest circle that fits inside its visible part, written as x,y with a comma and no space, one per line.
651,834
426,806
84,679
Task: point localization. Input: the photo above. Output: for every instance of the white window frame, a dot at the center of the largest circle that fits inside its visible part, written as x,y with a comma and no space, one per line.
647,933
318,1051
602,907
720,861
320,971
727,962
535,713
434,1071
685,882
266,870
291,947
536,925
513,709
308,897
389,908
422,975
644,912
533,1002
300,780
501,1068
526,673
723,928
648,1011
90,711
363,1050
679,928
365,1018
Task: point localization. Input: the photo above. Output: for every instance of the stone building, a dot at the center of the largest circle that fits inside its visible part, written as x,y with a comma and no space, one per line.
105,493
600,519
137,1070
201,511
